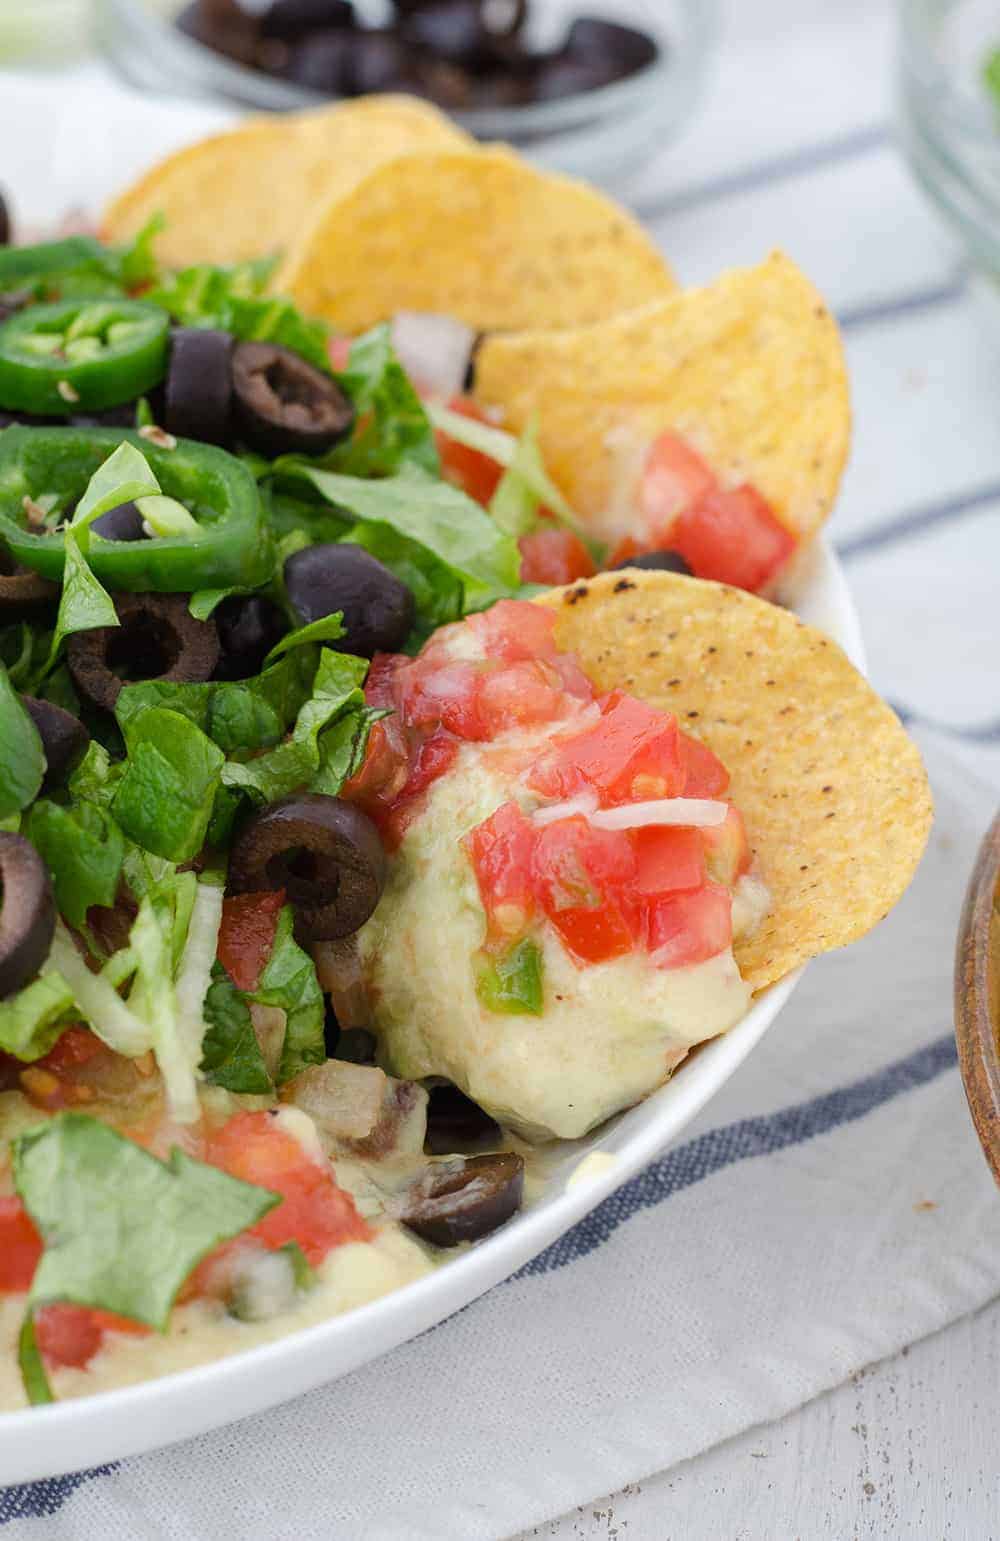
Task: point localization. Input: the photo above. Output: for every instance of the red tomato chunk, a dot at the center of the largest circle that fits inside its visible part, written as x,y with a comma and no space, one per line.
477,474
501,850
246,935
554,555
691,928
631,755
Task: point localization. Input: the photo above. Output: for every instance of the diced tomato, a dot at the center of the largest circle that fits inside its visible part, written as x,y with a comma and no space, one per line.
338,351
675,477
632,754
518,695
445,694
554,555
74,1047
314,1212
501,853
704,773
78,1069
20,1247
246,935
433,757
691,927
477,474
71,1335
581,877
515,630
727,851
668,859
733,537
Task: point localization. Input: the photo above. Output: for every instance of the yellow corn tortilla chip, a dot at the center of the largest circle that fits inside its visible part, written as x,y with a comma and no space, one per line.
749,371
478,235
833,792
252,191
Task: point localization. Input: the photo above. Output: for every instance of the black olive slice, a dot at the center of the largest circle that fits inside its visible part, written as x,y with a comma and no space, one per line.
325,853
248,628
656,561
292,19
158,639
456,1123
464,1199
199,387
24,595
27,913
121,523
64,738
378,608
285,406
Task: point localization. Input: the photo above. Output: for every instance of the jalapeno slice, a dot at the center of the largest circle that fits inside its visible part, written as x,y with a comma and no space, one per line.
233,546
81,355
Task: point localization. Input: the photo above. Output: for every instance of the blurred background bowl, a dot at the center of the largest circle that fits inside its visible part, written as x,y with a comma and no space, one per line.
977,996
949,117
605,133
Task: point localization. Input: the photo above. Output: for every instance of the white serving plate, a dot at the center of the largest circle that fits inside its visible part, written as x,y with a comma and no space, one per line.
73,141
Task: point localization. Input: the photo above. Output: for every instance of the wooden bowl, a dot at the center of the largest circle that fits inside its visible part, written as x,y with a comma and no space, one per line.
977,996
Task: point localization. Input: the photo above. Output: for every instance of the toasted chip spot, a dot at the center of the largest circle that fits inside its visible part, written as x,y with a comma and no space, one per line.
748,370
475,234
840,793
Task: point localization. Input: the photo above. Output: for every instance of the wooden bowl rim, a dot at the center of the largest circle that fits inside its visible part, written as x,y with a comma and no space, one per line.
977,1008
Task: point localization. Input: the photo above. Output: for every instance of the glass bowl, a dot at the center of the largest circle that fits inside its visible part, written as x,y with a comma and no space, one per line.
950,121
603,134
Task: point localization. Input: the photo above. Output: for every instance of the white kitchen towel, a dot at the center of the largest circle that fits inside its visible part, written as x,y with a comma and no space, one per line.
830,1206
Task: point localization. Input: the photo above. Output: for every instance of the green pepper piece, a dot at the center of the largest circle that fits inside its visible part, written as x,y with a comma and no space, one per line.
81,356
232,546
512,983
20,265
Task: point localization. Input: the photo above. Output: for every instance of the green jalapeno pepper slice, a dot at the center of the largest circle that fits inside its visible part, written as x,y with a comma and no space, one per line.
50,468
81,355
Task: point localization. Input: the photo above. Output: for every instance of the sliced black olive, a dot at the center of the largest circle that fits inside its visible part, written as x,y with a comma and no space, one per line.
456,1123
158,639
656,561
285,406
121,523
248,628
64,739
378,608
27,913
325,853
625,49
465,1199
4,222
24,595
292,19
377,61
199,389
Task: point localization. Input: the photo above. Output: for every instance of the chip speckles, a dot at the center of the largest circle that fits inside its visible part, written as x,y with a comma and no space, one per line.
743,369
835,800
476,234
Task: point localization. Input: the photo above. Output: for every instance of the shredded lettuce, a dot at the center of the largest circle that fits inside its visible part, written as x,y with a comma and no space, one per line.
122,1230
393,429
83,849
165,798
32,1020
329,628
22,760
232,299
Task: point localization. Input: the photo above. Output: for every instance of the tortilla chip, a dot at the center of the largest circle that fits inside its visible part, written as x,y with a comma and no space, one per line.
479,235
252,191
833,792
749,371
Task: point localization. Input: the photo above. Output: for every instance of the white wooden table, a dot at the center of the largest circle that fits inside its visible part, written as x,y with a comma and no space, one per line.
793,147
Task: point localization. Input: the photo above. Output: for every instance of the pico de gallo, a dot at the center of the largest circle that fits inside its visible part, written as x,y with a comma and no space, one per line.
324,873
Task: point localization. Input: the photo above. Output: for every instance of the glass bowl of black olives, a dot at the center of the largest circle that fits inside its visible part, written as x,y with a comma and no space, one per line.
585,86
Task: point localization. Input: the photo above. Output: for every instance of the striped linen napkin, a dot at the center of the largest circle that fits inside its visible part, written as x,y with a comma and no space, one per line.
830,1206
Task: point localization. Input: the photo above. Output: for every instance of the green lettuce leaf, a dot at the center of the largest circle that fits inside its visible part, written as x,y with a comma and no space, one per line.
236,715
83,849
393,427
32,1020
122,1230
329,628
232,1055
22,760
125,475
231,298
453,529
84,604
327,743
165,798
